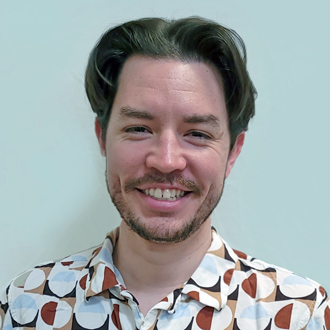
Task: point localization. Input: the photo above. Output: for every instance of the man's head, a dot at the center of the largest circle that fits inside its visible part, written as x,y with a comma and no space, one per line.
188,40
173,100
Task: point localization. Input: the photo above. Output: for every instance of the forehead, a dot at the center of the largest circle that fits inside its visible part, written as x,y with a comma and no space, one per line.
152,84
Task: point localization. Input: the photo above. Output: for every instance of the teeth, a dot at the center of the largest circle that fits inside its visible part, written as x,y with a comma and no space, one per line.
166,194
158,193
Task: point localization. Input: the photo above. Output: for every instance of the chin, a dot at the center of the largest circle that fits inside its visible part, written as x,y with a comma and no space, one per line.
163,232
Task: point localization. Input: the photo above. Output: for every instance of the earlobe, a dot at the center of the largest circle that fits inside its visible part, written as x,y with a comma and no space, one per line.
234,152
98,132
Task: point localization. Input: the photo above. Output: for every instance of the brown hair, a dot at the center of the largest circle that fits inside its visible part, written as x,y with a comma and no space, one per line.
189,40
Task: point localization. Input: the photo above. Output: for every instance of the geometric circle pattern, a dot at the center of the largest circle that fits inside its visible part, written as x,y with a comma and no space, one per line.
35,279
91,314
24,309
229,290
62,283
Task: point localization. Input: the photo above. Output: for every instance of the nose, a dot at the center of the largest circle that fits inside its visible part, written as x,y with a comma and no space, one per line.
166,154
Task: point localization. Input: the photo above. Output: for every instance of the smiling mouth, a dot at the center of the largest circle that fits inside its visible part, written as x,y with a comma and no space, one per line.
164,194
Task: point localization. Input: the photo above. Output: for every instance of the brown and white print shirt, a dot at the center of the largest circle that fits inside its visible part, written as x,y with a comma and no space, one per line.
229,290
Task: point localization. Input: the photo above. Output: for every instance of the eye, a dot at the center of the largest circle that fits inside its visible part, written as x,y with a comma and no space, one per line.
199,135
136,129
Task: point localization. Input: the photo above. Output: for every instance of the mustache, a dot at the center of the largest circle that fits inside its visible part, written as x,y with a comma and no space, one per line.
156,177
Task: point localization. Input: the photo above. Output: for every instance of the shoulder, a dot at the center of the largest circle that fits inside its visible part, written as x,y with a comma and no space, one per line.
286,283
44,289
263,281
286,296
56,278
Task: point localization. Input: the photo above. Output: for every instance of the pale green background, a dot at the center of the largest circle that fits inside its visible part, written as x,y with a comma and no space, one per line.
53,196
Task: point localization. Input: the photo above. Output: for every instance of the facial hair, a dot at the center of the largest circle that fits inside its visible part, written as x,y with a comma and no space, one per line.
166,234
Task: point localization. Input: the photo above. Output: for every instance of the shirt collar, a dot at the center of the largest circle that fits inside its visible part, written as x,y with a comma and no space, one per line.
103,275
209,284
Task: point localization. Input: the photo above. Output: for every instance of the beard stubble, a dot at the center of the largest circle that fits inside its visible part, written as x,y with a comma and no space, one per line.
164,233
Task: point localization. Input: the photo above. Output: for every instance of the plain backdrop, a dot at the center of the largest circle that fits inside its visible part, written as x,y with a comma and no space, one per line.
53,198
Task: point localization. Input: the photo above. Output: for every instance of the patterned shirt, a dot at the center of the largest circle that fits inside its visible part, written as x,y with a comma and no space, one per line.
228,290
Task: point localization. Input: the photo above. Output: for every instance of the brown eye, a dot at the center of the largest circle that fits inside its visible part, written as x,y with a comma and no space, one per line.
200,135
136,129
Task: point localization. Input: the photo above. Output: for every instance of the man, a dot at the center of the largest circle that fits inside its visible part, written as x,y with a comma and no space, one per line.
173,100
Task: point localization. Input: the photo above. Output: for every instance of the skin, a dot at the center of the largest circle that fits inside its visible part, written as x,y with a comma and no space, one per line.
168,129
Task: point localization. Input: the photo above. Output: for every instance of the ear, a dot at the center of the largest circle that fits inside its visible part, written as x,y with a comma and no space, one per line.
234,152
98,132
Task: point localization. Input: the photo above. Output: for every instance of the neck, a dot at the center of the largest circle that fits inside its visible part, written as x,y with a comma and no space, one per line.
159,268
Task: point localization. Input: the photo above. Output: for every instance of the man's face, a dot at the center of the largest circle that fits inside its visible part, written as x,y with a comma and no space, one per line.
167,147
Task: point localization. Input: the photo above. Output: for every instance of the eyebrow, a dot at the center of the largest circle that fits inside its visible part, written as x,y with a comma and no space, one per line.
204,119
135,113
128,112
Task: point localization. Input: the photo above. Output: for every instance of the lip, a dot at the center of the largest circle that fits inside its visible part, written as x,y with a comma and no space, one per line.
161,186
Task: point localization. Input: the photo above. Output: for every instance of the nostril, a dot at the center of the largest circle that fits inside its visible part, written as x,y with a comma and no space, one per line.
166,163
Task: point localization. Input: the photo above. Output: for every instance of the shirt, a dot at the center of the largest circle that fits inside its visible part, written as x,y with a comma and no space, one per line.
228,290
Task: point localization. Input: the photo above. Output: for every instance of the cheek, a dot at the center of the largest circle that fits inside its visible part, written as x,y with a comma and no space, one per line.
123,161
211,166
